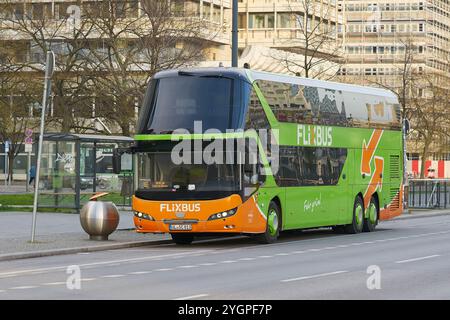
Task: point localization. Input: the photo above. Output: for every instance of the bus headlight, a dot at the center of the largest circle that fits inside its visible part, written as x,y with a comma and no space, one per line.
223,214
145,216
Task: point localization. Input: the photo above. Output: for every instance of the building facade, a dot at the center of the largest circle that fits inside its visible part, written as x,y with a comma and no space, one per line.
292,29
403,46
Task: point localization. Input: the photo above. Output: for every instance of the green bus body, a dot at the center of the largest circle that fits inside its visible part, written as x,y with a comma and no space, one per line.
362,144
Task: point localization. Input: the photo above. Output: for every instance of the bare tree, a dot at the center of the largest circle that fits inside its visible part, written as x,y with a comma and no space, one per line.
405,74
68,37
316,30
135,45
424,96
16,108
428,111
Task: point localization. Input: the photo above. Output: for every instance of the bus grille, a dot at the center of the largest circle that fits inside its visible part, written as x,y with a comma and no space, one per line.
394,166
395,196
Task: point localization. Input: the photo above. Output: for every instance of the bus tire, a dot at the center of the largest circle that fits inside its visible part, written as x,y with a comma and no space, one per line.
371,221
273,225
182,238
357,218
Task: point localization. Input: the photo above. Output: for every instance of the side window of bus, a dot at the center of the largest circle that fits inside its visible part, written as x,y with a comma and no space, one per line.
289,170
295,103
256,117
278,96
309,166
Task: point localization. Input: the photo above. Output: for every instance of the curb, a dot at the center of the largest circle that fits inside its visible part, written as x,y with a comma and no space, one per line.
46,253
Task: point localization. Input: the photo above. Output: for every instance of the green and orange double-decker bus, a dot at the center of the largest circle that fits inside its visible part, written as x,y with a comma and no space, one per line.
327,155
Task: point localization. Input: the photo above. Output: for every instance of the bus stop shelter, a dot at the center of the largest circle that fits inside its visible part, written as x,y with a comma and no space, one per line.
76,166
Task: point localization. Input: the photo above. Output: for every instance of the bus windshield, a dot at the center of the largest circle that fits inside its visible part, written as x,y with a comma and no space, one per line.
157,172
179,101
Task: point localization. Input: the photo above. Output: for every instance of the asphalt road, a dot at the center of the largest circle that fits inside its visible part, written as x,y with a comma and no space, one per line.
411,255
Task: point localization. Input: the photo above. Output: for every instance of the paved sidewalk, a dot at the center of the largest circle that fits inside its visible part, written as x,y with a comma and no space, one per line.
61,233
18,224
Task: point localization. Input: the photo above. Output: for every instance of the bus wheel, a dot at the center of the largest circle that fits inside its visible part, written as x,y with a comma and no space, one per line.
372,216
273,225
182,238
358,217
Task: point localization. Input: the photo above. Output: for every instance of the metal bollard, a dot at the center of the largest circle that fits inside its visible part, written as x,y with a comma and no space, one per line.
99,219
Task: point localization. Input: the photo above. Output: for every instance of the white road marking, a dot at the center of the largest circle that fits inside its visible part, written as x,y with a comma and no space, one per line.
114,276
192,297
164,269
247,259
16,273
88,279
207,264
228,261
314,276
23,287
264,257
186,267
282,254
418,259
139,272
53,283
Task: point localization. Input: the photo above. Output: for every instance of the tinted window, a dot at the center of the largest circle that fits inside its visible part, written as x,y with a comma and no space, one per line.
307,166
256,117
179,101
313,105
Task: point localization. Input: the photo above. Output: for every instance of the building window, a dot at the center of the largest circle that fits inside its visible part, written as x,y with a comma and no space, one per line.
284,20
242,21
261,20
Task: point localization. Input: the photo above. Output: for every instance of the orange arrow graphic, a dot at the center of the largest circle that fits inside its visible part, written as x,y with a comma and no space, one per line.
369,150
375,182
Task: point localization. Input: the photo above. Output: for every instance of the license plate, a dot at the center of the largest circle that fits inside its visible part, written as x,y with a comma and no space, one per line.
180,227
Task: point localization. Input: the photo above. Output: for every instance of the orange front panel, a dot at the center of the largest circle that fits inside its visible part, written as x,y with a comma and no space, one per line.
248,217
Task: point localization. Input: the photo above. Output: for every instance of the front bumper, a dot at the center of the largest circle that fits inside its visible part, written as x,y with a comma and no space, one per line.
247,219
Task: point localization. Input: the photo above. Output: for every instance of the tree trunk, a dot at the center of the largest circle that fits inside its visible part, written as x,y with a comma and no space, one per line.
11,165
125,128
424,157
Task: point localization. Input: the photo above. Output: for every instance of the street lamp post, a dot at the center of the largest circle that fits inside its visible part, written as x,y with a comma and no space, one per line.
49,65
234,35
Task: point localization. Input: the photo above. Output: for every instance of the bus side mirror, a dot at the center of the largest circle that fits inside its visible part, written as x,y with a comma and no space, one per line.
261,174
122,160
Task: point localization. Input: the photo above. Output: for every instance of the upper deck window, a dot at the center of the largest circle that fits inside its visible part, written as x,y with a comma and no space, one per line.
314,105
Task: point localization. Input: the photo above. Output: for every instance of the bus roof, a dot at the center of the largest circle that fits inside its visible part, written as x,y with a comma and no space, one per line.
252,75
